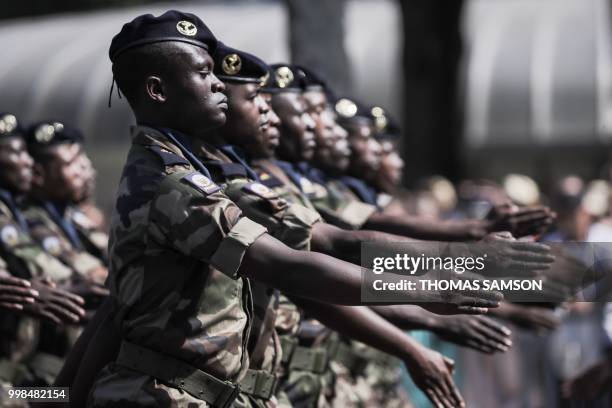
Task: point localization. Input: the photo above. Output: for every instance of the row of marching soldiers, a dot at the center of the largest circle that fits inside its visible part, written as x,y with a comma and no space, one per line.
53,249
233,161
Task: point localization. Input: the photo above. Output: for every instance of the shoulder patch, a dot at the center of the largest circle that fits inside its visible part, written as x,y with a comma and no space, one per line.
167,157
201,182
306,186
260,190
52,245
9,236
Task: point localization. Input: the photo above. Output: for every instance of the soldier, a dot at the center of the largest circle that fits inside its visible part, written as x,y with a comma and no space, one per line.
58,183
331,157
26,260
410,317
87,218
185,333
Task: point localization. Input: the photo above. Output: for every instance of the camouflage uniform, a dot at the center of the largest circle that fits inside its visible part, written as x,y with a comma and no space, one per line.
55,231
94,238
335,386
176,244
289,222
336,203
21,360
380,377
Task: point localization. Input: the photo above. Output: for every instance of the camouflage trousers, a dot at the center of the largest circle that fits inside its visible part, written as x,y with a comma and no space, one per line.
120,387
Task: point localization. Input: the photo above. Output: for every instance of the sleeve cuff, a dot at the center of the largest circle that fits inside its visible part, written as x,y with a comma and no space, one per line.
230,252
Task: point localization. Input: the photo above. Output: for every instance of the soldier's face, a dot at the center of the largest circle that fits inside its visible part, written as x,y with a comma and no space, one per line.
297,142
88,174
341,152
365,150
61,178
316,105
250,123
389,174
195,96
16,165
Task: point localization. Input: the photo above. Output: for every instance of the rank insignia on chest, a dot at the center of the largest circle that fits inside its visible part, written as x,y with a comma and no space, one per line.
202,183
52,245
9,236
306,186
260,190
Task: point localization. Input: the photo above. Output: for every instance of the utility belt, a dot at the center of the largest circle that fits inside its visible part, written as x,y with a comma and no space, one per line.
208,388
178,374
343,353
296,357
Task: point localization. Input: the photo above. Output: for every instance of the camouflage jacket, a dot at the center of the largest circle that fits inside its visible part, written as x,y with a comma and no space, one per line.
336,203
22,257
94,239
176,244
47,231
287,221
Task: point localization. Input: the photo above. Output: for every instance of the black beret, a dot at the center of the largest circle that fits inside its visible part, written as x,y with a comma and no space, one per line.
9,126
232,65
171,26
52,132
386,127
312,81
285,78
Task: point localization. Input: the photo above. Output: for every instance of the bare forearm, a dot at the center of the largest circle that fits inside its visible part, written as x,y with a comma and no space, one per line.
346,244
428,229
407,317
364,325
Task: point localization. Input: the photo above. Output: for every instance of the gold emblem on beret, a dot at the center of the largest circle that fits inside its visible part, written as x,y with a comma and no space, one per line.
58,126
186,28
346,107
380,118
284,77
8,123
9,236
231,64
264,79
44,133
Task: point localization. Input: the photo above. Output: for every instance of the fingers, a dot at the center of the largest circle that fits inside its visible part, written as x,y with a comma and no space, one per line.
532,247
49,316
10,298
71,304
433,397
454,392
18,291
493,325
471,310
11,306
499,341
63,314
13,281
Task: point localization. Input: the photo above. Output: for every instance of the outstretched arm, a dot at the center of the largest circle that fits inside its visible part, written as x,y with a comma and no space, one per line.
431,371
323,278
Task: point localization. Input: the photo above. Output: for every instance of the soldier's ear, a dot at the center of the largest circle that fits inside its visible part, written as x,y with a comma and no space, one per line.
38,175
155,89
